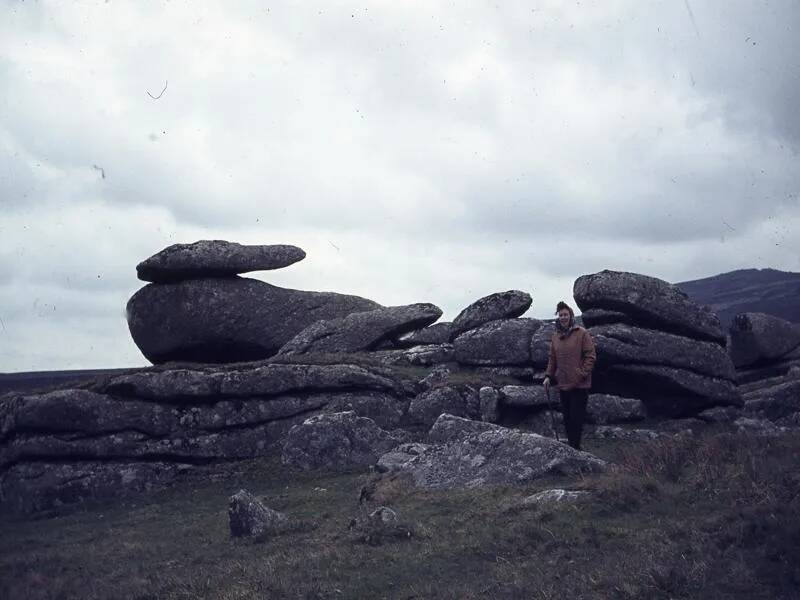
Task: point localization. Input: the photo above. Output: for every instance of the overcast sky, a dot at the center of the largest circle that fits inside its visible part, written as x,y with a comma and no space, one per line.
417,151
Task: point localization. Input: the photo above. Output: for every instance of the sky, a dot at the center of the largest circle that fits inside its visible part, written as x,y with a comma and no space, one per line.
417,151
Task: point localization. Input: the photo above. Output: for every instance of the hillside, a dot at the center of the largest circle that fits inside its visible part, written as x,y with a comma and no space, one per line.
748,290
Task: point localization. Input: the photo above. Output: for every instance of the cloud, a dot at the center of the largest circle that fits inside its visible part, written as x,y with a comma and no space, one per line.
416,151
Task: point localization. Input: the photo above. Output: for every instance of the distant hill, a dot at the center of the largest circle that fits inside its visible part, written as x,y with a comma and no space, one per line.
748,290
43,380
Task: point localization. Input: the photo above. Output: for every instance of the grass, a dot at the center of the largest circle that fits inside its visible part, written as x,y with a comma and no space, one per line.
714,516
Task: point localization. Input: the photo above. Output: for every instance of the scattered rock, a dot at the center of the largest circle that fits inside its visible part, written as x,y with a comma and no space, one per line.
614,432
650,302
395,459
249,517
606,408
426,356
450,428
502,305
338,441
438,377
554,496
438,333
380,526
773,402
526,395
502,342
490,404
214,258
720,414
758,426
498,456
427,406
361,331
760,338
223,320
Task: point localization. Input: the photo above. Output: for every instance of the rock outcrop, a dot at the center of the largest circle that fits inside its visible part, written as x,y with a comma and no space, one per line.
222,320
214,258
143,429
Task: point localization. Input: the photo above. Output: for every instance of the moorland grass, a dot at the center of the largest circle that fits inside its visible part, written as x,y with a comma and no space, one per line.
711,516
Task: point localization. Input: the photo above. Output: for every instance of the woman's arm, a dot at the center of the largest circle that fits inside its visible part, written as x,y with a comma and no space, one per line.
588,354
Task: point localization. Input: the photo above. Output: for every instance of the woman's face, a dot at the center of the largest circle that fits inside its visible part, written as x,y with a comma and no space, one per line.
563,317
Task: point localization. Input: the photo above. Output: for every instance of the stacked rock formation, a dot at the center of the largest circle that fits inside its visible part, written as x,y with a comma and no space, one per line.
198,309
655,344
143,429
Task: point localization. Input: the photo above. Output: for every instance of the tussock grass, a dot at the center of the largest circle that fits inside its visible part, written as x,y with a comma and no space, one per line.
712,517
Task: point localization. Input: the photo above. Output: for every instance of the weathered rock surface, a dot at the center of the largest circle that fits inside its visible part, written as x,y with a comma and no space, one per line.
451,428
338,441
77,425
501,342
463,401
720,414
531,396
540,345
361,330
396,458
757,338
621,433
606,408
597,316
498,456
387,410
437,377
426,355
502,305
758,426
438,333
249,517
773,402
223,320
626,344
490,404
214,258
266,379
650,302
667,391
170,418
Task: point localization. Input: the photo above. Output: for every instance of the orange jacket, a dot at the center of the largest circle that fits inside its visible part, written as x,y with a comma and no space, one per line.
572,359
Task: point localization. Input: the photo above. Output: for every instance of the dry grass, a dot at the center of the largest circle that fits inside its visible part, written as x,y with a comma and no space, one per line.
710,517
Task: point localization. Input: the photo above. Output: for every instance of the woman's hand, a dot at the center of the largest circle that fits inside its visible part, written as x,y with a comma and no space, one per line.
546,384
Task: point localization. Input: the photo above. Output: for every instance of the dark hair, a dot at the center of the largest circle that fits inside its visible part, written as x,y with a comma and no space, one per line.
562,305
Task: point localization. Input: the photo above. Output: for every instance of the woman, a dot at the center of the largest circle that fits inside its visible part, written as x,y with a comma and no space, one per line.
572,357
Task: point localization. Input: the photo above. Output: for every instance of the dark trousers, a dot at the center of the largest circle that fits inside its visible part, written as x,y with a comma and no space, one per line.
573,407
